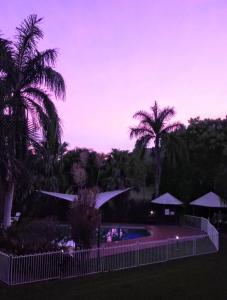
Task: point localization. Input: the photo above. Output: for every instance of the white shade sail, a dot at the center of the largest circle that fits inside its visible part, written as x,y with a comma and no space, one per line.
67,197
101,198
167,199
210,200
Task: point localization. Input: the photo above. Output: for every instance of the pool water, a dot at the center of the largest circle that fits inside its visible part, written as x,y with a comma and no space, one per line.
122,234
107,234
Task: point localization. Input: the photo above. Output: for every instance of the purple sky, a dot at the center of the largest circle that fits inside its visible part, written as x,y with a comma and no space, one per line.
118,56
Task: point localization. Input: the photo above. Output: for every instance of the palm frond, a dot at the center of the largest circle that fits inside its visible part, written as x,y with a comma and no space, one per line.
6,56
172,127
140,132
143,115
38,116
28,34
51,79
47,112
166,114
40,59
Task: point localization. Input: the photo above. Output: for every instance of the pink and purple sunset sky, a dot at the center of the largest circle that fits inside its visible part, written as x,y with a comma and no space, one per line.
118,56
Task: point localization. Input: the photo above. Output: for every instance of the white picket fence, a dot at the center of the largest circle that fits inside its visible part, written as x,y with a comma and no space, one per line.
205,226
57,265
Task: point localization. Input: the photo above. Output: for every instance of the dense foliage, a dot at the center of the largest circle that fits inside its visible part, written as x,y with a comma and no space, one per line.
206,167
187,174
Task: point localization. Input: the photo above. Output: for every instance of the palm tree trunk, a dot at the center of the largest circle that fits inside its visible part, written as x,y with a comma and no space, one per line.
8,204
157,180
157,175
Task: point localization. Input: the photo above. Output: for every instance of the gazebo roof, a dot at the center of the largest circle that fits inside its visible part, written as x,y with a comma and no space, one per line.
101,198
167,199
210,200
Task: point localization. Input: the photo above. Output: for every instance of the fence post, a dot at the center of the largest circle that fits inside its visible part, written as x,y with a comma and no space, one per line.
10,270
61,265
98,260
217,237
194,247
138,254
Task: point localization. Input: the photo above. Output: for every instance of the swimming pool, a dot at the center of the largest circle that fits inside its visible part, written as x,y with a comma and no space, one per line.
107,234
112,234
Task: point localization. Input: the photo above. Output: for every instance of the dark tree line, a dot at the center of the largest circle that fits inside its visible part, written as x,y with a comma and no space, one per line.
206,167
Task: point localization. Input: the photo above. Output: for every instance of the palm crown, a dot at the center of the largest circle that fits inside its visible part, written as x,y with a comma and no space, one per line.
27,76
154,125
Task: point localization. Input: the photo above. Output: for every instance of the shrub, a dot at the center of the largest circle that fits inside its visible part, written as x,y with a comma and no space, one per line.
31,236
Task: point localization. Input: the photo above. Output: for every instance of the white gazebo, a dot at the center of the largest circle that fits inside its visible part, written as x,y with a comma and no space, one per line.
210,200
168,207
167,199
101,198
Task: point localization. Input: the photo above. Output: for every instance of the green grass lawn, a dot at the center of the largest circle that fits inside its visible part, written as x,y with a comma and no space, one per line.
203,277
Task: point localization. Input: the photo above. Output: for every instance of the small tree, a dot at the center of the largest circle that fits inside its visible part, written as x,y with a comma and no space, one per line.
84,217
79,176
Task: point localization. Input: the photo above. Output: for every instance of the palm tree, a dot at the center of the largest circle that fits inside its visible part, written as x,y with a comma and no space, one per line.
28,116
154,126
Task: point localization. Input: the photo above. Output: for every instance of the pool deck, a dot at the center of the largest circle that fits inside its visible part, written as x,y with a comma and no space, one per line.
158,233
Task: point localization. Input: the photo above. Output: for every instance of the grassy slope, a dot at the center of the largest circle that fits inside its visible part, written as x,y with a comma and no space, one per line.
203,277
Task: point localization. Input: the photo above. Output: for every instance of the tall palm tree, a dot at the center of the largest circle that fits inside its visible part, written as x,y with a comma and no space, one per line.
28,81
154,126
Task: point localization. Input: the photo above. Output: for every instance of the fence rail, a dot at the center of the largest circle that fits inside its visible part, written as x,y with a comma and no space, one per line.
57,265
205,226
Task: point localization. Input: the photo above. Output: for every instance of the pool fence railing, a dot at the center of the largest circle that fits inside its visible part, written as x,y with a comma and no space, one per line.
24,269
